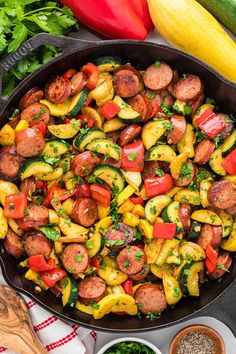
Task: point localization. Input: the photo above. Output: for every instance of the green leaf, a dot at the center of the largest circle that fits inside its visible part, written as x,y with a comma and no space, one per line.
50,232
3,42
19,35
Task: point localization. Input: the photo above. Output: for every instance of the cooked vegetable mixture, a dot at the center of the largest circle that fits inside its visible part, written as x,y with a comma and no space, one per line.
118,187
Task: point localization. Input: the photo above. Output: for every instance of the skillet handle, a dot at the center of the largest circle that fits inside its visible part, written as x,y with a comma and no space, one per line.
67,44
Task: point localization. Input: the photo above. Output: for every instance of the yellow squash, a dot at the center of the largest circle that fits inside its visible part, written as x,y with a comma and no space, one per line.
190,27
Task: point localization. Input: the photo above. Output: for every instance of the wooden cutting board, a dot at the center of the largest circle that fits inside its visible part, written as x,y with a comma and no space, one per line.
16,330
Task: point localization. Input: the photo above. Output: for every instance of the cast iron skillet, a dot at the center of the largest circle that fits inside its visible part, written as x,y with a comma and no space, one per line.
75,54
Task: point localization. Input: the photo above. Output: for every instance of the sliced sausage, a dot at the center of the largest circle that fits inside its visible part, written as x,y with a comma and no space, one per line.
113,136
188,88
139,103
85,212
78,81
158,77
35,113
165,166
140,275
13,244
111,162
29,142
36,215
129,134
126,83
150,298
84,163
75,258
119,235
186,178
185,215
222,194
160,98
150,168
130,261
232,210
28,187
9,166
229,125
203,151
14,121
195,104
91,289
223,264
209,235
37,244
58,89
179,124
33,95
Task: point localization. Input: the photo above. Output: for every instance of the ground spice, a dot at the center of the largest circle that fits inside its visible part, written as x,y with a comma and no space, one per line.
196,343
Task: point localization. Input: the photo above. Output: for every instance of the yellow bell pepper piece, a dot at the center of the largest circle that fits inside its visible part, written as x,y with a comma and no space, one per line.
36,278
204,187
110,262
145,228
3,225
126,207
7,188
69,228
142,193
58,247
103,224
139,210
125,194
7,135
112,276
153,249
112,125
68,206
22,125
230,243
53,217
13,225
130,219
83,308
102,212
115,302
175,166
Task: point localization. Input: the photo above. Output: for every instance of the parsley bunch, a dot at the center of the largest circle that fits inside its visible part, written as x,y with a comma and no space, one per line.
22,19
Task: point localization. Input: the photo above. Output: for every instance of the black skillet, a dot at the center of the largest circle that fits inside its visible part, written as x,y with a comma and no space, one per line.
76,53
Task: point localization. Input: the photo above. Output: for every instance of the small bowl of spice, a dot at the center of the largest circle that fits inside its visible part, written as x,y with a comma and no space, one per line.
197,339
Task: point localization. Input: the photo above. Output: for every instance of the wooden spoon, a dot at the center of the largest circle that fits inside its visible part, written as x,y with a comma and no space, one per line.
16,331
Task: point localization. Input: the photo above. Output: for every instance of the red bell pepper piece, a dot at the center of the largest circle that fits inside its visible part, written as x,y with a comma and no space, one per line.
164,230
140,7
41,185
158,185
110,109
15,205
101,195
137,200
52,276
38,263
82,190
69,73
114,19
127,286
86,121
92,72
229,163
155,110
56,192
42,126
95,262
210,123
212,255
133,157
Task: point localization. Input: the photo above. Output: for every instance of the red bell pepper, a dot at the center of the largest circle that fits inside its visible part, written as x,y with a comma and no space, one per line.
127,286
137,200
158,185
86,121
42,126
229,163
133,157
101,195
211,259
92,73
95,262
69,73
155,110
114,19
60,193
15,205
140,7
110,109
82,190
52,276
38,263
164,230
210,123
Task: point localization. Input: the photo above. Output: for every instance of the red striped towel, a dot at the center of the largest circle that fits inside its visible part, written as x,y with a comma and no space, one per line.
57,336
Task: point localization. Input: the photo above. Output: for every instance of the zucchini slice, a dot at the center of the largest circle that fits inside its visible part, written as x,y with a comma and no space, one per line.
151,132
105,147
113,125
189,278
166,250
191,251
154,207
161,153
91,113
51,176
159,271
133,178
229,142
34,166
65,131
172,289
171,214
55,148
77,105
107,63
111,175
206,216
127,114
69,291
85,138
95,244
227,223
215,162
195,230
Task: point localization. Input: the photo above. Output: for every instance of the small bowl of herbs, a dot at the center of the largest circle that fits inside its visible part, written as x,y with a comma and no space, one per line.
129,345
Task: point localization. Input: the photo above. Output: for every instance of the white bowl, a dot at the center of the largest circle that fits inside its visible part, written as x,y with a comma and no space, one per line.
128,339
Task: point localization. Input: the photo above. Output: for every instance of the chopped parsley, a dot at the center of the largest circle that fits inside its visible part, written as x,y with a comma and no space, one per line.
157,64
133,157
50,232
176,291
112,243
153,316
89,244
94,305
159,172
153,210
78,258
138,255
186,171
126,264
187,110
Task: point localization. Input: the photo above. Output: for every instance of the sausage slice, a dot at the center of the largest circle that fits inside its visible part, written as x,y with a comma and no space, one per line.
139,103
85,212
150,298
29,142
222,194
179,124
121,233
34,113
209,236
13,244
78,81
131,260
91,289
33,95
185,179
184,215
9,166
150,168
36,215
188,88
84,163
129,134
75,258
203,151
58,89
223,264
140,275
229,125
37,244
158,77
126,83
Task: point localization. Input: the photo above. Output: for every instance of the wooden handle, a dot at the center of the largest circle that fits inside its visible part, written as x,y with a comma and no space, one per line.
16,331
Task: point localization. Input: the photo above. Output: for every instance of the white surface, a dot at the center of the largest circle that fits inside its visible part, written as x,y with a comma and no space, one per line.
162,337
